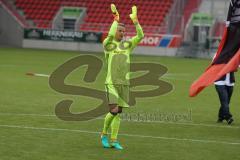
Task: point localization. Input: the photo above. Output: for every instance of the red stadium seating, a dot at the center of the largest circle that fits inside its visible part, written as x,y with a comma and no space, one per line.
41,12
151,13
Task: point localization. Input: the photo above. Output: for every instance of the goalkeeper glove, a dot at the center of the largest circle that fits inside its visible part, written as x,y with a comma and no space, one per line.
115,12
133,15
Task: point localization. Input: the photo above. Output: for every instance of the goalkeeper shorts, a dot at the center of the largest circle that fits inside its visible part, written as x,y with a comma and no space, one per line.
118,94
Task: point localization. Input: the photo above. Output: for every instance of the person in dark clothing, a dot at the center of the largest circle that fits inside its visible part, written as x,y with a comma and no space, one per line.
224,87
225,84
232,44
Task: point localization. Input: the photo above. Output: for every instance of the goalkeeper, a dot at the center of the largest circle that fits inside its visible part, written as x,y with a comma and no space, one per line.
117,54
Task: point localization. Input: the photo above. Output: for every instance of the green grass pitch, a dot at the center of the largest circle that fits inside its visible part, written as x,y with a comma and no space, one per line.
29,129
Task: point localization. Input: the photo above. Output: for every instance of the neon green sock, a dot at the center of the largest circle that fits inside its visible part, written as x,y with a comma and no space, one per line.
115,127
107,122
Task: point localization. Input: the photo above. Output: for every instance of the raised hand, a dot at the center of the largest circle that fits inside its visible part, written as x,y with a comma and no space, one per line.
115,12
133,15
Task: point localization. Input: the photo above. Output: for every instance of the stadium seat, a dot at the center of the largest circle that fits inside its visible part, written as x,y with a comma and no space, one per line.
151,12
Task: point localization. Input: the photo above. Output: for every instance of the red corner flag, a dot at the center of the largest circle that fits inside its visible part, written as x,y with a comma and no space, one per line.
223,63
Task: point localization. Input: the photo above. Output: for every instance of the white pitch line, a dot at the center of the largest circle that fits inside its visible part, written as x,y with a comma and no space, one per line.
37,74
196,124
123,134
182,139
177,74
161,122
27,114
41,75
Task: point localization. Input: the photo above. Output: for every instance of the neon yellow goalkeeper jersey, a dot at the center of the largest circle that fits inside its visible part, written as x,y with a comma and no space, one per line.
117,55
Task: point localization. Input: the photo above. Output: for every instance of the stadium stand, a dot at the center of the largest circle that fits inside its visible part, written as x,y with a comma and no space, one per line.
41,12
14,12
190,7
152,13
